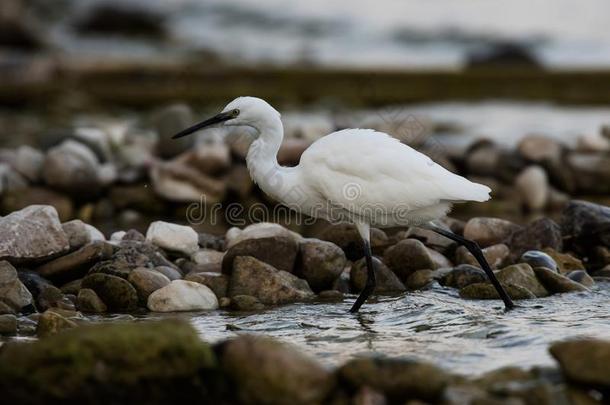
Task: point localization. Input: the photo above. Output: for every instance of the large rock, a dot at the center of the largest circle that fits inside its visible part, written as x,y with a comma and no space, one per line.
80,234
386,281
146,282
32,234
278,251
400,380
407,256
584,361
251,276
72,167
182,295
153,362
12,291
585,225
536,258
263,371
320,263
75,264
488,231
539,234
463,275
556,283
522,275
117,293
173,237
495,255
486,291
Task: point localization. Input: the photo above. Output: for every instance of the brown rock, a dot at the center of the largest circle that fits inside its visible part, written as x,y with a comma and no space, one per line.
88,301
584,361
522,275
320,263
420,279
407,256
76,264
556,283
386,281
539,234
279,252
347,238
219,283
51,322
486,291
488,231
146,282
117,293
495,255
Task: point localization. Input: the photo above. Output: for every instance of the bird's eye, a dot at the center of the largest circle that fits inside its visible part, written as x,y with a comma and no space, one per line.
235,112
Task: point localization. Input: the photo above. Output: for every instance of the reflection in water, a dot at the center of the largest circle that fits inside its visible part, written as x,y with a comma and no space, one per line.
436,325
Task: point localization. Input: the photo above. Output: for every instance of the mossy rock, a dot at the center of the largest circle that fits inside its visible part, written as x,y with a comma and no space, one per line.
152,362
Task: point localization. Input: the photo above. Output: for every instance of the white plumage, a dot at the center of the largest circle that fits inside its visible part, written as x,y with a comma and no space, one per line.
355,175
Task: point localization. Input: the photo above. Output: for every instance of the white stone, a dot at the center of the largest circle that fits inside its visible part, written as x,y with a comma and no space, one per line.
182,295
533,187
207,256
117,236
177,238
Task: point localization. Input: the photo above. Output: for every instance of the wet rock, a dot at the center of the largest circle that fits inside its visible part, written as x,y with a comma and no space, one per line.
463,275
8,324
175,181
540,149
251,276
488,231
146,282
29,162
581,277
584,361
556,283
182,295
51,322
347,238
522,275
246,303
72,287
75,264
208,158
154,362
486,291
420,279
586,224
169,272
168,121
536,258
12,291
320,263
88,301
532,185
565,261
496,255
173,237
23,198
80,234
278,251
219,283
117,293
539,234
73,168
33,233
49,297
386,281
122,20
262,370
400,380
407,256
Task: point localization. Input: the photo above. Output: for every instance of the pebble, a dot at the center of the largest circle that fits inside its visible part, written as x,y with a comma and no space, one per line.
462,276
182,295
219,283
12,290
320,263
173,237
386,281
146,281
278,251
32,233
420,279
76,264
116,292
488,231
539,234
271,286
581,277
80,234
88,301
73,168
556,283
51,322
536,258
407,256
258,231
522,275
169,272
207,257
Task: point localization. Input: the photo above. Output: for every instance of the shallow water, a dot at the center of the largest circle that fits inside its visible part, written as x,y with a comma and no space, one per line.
468,337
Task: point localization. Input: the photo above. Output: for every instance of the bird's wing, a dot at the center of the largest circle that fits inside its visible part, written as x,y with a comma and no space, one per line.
364,168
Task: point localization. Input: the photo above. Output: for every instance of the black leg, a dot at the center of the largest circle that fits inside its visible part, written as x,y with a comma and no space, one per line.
474,248
370,279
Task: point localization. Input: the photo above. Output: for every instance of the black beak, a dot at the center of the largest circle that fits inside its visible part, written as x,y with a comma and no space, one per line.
217,119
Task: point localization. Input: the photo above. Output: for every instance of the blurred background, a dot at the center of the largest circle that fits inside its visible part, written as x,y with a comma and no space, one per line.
513,94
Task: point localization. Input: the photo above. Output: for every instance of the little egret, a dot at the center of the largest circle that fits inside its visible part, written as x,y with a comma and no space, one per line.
359,176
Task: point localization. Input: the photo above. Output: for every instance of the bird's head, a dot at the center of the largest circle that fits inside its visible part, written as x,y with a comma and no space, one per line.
243,111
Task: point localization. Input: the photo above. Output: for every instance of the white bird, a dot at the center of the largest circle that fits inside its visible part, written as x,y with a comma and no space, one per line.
359,176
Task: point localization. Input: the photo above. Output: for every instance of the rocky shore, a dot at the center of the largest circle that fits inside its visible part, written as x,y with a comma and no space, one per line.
53,274
161,362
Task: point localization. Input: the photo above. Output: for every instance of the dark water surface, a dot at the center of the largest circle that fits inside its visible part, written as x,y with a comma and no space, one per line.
467,337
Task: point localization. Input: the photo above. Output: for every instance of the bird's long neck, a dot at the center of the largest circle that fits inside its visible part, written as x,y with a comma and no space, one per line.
262,158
